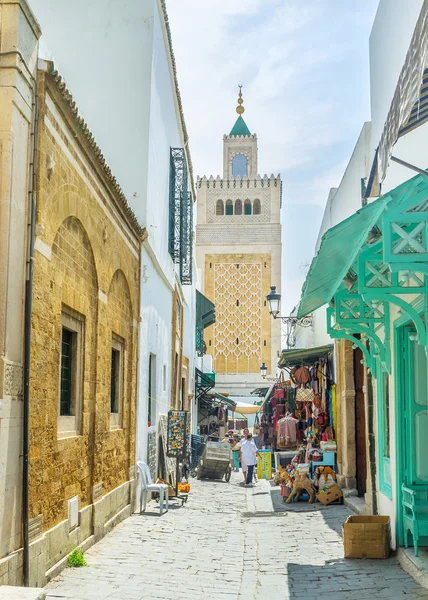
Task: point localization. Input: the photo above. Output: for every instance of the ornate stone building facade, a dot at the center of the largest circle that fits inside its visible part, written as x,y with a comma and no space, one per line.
84,338
19,34
238,249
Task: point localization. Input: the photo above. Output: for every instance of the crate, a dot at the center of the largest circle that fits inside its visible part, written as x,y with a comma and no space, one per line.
367,537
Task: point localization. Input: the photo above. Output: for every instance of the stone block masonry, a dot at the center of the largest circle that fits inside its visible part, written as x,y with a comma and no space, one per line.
86,281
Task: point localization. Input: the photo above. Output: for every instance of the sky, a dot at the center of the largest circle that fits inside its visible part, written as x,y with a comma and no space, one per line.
304,67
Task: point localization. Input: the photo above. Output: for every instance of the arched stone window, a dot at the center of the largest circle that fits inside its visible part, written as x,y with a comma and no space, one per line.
229,207
247,207
257,209
219,209
238,207
239,166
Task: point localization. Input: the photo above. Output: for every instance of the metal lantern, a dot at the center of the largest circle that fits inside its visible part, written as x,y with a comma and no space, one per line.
263,370
274,300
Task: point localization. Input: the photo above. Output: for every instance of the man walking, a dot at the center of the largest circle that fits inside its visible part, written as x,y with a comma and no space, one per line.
249,454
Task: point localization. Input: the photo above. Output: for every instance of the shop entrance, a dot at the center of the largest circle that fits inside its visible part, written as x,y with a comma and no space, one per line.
360,424
412,413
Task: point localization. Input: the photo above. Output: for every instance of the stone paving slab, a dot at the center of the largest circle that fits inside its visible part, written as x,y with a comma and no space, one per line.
10,592
231,543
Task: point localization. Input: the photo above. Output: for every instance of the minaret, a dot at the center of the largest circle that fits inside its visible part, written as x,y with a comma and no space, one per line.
238,252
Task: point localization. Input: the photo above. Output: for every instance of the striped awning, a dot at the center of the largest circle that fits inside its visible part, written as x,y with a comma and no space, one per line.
419,113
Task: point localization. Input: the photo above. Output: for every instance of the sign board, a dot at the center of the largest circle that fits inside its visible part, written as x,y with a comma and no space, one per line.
264,464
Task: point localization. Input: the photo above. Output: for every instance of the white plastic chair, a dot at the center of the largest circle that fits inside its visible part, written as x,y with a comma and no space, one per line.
147,485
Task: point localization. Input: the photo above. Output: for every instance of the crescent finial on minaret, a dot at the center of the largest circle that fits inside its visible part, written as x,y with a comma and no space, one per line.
240,109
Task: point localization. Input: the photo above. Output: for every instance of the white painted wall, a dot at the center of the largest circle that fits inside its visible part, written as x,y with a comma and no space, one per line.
342,202
154,338
157,293
104,51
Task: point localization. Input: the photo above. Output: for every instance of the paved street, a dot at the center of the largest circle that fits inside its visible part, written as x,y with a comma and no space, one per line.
228,543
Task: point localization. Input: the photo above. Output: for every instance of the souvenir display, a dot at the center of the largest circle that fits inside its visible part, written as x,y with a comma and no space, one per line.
178,441
300,417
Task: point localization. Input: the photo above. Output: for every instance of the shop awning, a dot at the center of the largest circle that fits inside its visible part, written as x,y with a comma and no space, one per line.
260,392
252,409
225,402
339,248
306,356
205,310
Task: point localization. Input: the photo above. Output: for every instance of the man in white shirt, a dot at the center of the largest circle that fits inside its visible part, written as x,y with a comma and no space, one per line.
249,454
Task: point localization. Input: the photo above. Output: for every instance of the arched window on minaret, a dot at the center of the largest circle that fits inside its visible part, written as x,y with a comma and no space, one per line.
257,209
238,207
229,207
247,207
219,209
239,166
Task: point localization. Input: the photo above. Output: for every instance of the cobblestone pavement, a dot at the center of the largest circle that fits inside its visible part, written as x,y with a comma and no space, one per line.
228,543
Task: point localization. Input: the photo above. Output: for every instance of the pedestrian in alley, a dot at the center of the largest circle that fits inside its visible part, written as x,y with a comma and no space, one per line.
236,452
243,464
249,454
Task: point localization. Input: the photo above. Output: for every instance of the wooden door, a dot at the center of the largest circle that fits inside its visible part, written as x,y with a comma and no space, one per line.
360,424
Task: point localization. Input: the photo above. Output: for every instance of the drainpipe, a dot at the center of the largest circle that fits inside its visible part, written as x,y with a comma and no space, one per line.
31,227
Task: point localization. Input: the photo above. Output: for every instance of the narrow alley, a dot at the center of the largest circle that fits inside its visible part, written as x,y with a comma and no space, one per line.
231,543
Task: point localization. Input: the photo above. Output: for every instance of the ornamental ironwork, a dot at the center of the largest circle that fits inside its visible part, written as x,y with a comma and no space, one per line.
186,231
180,215
177,188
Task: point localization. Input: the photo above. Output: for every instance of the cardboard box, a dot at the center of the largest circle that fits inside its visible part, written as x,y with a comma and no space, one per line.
329,495
367,537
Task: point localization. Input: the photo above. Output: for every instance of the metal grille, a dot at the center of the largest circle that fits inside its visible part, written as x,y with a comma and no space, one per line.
180,216
186,229
66,371
178,186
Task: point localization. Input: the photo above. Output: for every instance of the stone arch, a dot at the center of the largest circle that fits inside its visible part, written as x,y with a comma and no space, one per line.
119,296
219,209
71,283
238,207
257,209
72,248
68,201
247,207
119,337
229,207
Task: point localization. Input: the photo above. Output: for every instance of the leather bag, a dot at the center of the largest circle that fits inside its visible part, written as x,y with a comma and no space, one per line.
304,395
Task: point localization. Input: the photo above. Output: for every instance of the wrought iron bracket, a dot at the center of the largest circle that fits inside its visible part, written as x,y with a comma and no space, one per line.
293,321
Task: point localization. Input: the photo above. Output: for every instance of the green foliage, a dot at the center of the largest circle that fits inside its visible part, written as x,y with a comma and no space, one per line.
77,559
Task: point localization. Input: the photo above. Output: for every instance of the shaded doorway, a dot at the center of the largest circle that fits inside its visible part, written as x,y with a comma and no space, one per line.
360,424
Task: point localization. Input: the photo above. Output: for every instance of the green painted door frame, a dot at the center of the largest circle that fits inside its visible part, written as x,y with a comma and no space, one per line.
399,392
408,413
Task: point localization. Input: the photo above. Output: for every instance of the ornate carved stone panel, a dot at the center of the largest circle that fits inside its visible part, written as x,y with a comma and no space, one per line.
13,379
238,327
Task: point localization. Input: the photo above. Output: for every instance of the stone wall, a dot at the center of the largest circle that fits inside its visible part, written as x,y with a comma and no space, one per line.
19,33
86,265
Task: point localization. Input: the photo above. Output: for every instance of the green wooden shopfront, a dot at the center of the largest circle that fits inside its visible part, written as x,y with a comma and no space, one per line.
372,272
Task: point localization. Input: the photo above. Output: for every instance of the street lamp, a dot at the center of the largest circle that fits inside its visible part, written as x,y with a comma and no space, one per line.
274,302
263,370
